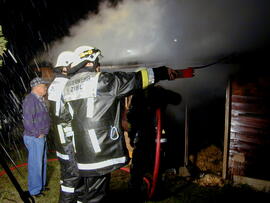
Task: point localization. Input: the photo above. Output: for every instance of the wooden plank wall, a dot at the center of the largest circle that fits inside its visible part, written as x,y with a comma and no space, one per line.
249,134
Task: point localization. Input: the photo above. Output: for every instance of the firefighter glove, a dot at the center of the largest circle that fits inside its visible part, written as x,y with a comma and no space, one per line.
164,73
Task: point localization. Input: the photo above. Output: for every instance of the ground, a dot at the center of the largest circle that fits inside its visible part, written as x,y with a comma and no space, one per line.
174,189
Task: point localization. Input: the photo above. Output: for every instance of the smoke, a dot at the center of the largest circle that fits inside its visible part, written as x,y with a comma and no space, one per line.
173,32
177,33
127,33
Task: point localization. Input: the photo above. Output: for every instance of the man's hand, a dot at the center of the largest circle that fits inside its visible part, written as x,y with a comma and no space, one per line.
166,73
173,74
41,136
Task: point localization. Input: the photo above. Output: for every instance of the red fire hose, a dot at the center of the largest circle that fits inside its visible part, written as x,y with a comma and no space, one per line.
3,172
151,186
157,155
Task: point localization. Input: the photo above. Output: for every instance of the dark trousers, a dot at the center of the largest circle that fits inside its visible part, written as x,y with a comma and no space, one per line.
77,189
96,189
71,184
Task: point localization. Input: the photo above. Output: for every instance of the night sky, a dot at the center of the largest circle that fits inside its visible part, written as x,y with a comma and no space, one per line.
29,25
177,33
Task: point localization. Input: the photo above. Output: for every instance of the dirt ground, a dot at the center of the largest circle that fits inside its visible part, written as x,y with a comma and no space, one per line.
176,189
173,189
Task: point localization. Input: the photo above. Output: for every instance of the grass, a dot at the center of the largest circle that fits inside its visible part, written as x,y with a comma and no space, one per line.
173,190
9,194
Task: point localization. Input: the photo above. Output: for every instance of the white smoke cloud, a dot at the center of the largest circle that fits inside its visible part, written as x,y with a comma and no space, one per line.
129,32
175,32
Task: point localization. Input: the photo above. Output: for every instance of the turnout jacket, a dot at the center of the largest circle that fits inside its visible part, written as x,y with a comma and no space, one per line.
60,125
93,100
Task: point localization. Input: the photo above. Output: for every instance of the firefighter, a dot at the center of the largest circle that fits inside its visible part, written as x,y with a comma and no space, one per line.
69,176
142,132
93,99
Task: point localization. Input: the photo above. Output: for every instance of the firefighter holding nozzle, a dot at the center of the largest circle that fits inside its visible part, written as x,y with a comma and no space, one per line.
142,133
93,101
141,116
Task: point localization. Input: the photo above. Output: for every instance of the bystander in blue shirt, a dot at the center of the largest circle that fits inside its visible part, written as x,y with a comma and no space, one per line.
36,123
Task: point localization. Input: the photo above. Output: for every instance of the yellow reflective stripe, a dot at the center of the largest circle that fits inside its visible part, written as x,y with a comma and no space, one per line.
145,79
86,53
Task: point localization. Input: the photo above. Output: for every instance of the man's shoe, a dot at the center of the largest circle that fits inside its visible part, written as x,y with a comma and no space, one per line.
39,195
46,189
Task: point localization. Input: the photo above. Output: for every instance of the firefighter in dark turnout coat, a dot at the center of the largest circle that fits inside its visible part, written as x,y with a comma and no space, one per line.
93,100
143,134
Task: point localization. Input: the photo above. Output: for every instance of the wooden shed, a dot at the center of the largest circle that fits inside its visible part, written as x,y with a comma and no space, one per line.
247,132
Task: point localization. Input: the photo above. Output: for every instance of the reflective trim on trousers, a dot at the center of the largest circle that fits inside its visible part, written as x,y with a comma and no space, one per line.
62,156
67,189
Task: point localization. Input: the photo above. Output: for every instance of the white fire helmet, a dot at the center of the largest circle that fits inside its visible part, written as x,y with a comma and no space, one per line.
65,58
84,53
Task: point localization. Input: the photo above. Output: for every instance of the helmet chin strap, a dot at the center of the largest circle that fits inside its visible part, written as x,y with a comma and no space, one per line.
76,68
84,66
58,69
96,65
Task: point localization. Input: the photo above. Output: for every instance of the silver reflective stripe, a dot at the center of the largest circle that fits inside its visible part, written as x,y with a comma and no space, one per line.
67,129
62,156
67,189
94,140
57,107
151,76
70,110
102,164
69,134
61,134
162,140
61,182
73,143
90,107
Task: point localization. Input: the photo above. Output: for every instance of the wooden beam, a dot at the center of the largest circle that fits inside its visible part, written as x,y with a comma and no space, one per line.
226,130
